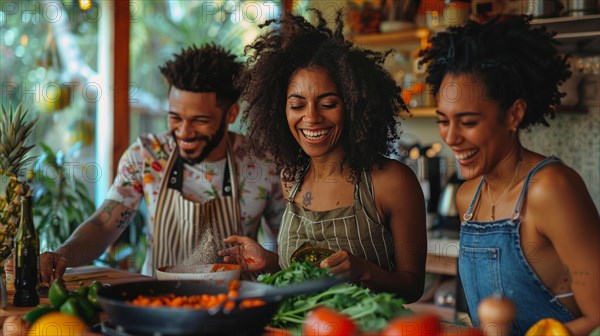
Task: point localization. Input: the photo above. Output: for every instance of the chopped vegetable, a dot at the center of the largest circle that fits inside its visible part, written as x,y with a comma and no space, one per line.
201,301
308,252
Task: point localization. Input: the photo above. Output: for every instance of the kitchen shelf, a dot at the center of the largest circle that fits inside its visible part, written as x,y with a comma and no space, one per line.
584,23
387,40
419,112
579,34
576,34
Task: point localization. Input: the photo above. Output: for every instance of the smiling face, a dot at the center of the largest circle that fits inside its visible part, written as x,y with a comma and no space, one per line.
315,114
198,125
474,126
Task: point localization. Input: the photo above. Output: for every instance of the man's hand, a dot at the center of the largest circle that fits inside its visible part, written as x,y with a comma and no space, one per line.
52,266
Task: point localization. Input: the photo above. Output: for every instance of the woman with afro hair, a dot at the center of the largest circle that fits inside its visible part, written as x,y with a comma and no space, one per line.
530,226
325,109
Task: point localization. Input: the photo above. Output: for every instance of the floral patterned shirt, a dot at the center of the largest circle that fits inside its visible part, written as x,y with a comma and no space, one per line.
141,170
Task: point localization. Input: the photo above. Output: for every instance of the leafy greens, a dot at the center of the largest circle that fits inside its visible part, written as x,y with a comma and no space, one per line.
371,311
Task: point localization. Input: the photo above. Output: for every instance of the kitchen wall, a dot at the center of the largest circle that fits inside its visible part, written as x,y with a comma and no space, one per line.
572,137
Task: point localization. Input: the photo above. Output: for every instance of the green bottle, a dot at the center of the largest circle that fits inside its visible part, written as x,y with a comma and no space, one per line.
27,258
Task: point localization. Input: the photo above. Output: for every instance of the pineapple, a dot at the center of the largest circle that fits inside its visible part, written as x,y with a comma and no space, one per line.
14,131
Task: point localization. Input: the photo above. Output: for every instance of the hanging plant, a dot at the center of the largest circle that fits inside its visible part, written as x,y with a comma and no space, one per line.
80,131
54,95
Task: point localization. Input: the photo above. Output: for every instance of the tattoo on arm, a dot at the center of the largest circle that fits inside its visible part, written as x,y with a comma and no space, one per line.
125,218
307,199
107,211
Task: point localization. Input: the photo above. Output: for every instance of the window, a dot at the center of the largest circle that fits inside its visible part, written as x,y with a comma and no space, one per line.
161,28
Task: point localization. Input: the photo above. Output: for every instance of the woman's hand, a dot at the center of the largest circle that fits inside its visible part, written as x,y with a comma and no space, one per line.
343,262
247,252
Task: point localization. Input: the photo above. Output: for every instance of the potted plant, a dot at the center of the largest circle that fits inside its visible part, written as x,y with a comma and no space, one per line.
61,201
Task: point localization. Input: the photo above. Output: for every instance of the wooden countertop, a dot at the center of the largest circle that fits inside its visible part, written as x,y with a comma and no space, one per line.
87,274
72,277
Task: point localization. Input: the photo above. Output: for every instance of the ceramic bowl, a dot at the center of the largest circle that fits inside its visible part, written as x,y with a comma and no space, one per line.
220,273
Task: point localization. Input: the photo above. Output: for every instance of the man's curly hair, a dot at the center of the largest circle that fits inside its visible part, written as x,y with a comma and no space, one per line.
371,98
209,68
512,59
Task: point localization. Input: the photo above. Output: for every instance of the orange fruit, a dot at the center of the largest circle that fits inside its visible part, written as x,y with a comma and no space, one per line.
58,324
548,327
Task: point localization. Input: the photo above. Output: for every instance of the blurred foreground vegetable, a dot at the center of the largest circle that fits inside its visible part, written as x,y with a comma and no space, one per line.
496,315
81,303
422,325
324,321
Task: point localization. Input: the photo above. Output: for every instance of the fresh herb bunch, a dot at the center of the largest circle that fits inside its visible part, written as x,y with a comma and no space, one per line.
371,311
298,271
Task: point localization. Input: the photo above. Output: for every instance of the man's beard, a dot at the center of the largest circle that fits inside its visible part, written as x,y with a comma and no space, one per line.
211,143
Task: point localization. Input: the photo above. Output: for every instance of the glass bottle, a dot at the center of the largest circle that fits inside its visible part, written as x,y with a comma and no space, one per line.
27,256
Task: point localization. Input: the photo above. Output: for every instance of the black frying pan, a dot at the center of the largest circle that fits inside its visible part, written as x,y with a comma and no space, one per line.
185,321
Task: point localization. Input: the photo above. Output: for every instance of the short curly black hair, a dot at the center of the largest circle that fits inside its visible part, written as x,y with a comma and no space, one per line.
370,96
512,59
209,68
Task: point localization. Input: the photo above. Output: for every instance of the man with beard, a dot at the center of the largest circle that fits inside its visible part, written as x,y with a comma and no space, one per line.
198,181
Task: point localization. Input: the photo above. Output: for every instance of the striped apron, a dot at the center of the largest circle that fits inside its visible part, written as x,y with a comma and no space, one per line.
179,223
357,228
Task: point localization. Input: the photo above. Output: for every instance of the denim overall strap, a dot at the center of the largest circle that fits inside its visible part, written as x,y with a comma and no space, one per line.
549,160
469,214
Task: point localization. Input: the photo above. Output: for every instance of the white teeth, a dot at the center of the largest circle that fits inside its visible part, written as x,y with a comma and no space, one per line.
315,134
188,143
465,155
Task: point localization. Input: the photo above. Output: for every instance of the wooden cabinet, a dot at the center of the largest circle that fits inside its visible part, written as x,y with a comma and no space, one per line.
442,256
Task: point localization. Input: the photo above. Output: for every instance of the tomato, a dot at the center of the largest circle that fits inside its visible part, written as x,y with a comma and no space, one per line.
415,325
323,321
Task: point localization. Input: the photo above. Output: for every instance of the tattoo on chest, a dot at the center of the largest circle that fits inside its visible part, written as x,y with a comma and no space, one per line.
307,199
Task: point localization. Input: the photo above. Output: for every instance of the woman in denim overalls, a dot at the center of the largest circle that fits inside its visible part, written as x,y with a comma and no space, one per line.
531,231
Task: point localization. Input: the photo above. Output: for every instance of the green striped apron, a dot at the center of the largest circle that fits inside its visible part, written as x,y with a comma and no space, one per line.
180,223
357,228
